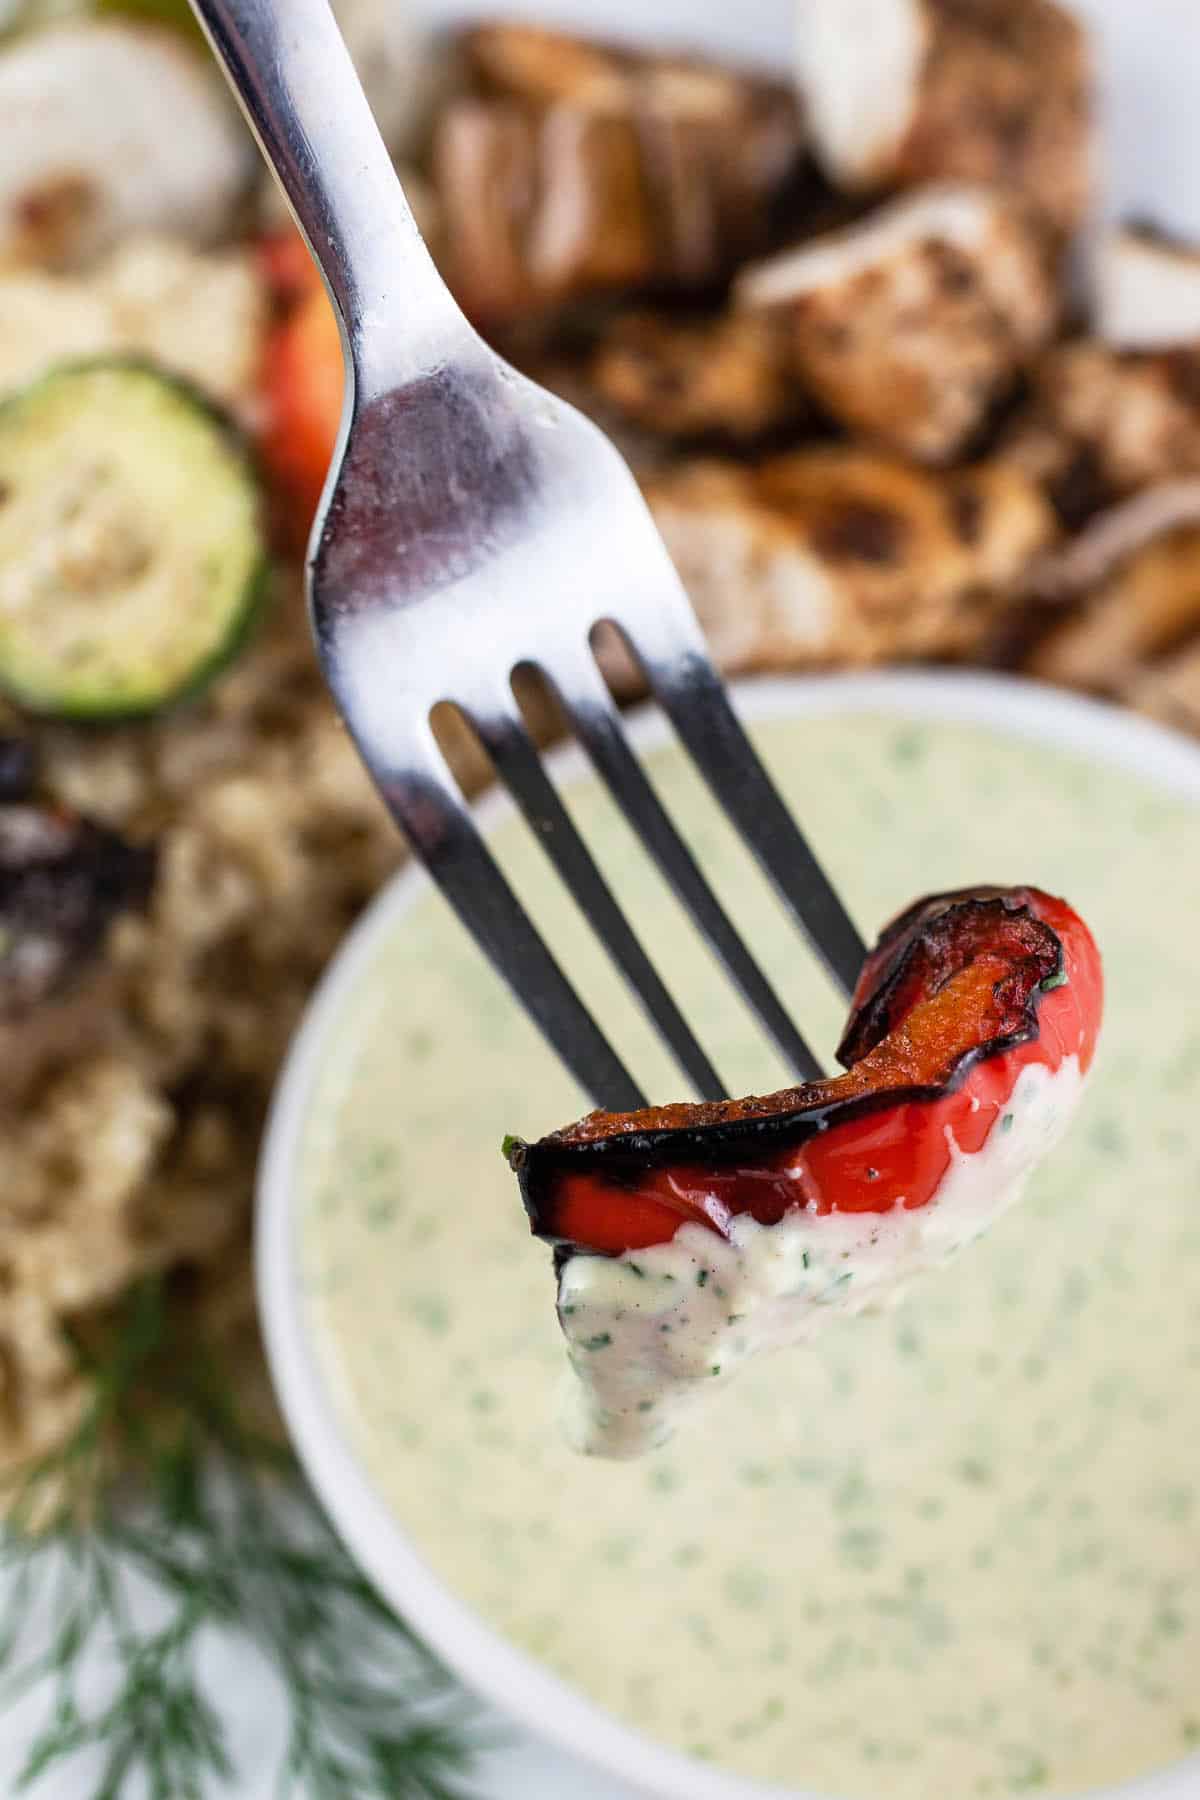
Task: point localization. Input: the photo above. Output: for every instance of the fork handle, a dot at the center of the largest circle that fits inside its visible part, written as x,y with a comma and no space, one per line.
289,67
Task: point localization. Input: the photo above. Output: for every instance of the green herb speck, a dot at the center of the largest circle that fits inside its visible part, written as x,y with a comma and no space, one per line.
908,746
804,1259
716,1369
601,1341
645,1406
701,1277
1007,1122
1032,1772
431,1311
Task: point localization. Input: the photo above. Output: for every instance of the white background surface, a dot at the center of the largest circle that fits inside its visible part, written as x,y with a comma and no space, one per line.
1149,53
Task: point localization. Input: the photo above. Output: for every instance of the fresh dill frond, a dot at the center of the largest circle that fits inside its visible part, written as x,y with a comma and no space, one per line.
164,1486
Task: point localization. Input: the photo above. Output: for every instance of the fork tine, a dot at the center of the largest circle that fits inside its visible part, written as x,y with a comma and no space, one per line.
443,834
519,767
693,696
588,703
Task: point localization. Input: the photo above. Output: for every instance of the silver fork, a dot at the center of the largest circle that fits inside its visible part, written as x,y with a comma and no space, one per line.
474,525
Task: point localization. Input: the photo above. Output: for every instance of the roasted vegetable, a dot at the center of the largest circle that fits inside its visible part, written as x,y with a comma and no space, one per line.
62,882
17,769
973,1024
301,383
131,548
961,994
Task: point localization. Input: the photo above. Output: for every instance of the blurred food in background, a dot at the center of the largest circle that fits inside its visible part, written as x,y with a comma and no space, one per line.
873,418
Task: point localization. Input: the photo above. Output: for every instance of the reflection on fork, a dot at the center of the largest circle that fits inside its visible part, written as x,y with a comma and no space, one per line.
474,525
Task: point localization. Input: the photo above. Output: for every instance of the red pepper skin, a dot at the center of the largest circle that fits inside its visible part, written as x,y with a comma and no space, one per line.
960,995
300,381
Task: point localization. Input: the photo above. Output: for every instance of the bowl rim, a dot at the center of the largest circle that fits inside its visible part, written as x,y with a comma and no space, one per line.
474,1650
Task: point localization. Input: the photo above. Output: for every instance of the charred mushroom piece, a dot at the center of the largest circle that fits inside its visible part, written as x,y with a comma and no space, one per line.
1134,576
63,880
571,169
18,769
838,555
688,1237
903,91
909,326
1145,291
728,377
112,128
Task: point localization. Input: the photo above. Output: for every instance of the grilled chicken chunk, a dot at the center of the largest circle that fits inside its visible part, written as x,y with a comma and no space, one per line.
909,325
839,555
903,91
1115,420
568,169
729,377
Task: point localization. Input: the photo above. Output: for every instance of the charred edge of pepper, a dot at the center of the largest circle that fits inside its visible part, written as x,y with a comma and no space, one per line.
904,941
624,1157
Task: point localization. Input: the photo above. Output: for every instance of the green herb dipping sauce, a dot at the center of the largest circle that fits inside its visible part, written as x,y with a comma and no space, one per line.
953,1550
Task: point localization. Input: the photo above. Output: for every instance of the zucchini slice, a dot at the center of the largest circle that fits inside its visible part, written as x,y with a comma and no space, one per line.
132,555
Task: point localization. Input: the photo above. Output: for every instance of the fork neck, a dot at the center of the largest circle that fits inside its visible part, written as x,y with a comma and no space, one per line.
289,67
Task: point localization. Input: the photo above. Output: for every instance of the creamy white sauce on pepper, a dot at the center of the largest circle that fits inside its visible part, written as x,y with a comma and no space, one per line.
950,1549
651,1331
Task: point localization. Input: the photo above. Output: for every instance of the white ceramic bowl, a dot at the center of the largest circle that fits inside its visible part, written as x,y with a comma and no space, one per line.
494,1667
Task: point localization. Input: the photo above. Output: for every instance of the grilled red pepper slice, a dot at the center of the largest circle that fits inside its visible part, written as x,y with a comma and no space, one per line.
961,994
